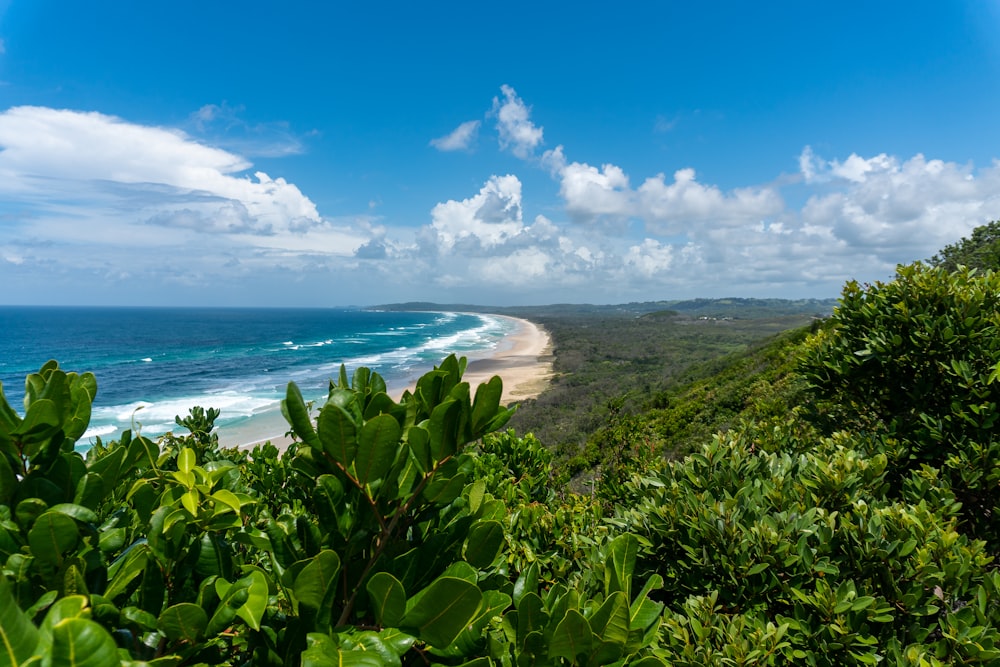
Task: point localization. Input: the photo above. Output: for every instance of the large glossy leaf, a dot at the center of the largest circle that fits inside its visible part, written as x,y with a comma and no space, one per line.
338,434
572,637
42,420
9,419
443,427
297,414
186,460
442,610
388,599
620,564
78,512
79,642
232,599
377,445
184,621
485,541
52,535
526,583
485,405
82,391
8,481
531,616
253,609
610,622
313,581
18,637
418,439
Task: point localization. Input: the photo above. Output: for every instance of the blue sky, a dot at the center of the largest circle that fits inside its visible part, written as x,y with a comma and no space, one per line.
309,153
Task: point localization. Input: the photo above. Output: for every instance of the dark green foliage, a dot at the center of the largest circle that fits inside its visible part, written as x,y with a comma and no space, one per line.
844,513
980,251
372,541
603,359
916,360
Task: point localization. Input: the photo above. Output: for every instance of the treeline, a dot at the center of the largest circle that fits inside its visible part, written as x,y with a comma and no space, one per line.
848,514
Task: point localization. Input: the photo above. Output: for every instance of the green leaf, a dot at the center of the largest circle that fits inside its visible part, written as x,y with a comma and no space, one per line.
442,610
8,481
253,609
531,616
338,434
388,599
18,636
79,642
622,553
77,512
315,578
572,637
186,460
611,621
40,422
485,541
377,445
297,415
184,621
418,439
527,582
485,405
52,535
443,427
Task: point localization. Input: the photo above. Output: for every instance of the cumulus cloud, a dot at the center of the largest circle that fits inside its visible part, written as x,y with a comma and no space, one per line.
891,207
604,193
459,139
517,133
669,208
593,193
481,222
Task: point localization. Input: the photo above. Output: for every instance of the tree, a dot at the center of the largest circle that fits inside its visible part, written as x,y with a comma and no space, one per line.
979,251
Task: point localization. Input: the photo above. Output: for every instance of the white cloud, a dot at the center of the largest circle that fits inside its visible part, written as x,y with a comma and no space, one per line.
517,133
899,208
650,258
52,153
92,197
224,125
483,221
518,269
592,193
685,201
86,194
854,169
460,139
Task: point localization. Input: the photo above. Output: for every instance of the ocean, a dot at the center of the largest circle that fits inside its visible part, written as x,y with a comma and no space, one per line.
153,364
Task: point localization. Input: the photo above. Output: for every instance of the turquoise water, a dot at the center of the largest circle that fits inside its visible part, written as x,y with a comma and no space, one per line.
155,363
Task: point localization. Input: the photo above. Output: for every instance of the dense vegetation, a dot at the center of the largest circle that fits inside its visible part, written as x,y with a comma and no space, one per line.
846,514
617,367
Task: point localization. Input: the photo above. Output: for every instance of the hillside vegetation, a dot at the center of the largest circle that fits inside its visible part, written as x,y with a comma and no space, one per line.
845,513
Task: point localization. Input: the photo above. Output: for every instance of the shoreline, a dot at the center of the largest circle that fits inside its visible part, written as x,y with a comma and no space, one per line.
523,360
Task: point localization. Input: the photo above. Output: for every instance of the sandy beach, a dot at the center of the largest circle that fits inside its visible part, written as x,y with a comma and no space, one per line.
523,360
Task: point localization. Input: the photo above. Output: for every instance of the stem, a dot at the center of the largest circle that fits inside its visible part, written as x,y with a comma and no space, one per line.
383,541
371,501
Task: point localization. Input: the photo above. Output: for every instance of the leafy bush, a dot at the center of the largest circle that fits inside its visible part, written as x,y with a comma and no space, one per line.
917,360
371,542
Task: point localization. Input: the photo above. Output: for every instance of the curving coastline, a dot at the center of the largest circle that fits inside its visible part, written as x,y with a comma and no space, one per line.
523,360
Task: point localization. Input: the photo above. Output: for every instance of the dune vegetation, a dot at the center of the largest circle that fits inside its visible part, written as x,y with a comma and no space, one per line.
830,496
